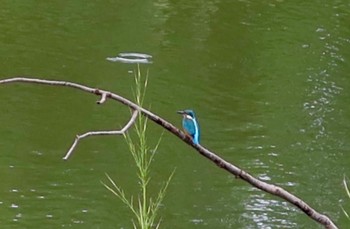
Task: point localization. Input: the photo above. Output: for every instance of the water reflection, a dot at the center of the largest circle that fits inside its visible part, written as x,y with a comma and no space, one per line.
263,209
298,134
132,58
266,213
324,91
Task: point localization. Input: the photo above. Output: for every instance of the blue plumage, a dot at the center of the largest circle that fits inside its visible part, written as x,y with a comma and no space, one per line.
190,125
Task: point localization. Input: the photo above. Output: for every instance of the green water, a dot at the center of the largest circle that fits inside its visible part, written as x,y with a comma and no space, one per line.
268,80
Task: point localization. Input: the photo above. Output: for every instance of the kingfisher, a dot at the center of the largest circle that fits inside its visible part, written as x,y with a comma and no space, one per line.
190,125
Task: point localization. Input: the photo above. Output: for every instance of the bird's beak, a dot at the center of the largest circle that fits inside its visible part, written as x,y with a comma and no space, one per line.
180,112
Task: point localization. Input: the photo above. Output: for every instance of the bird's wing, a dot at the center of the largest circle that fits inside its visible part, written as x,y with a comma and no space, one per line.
189,126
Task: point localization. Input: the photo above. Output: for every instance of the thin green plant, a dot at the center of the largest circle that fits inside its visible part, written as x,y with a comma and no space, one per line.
346,187
144,207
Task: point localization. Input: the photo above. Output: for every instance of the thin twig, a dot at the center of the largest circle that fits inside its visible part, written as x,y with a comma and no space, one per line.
234,170
106,132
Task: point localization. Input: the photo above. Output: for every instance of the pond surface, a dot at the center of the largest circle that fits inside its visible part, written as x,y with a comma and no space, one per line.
269,81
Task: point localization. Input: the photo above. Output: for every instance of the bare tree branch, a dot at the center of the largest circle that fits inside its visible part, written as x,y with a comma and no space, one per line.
220,162
106,132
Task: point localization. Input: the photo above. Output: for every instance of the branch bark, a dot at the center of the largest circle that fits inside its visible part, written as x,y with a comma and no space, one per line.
220,162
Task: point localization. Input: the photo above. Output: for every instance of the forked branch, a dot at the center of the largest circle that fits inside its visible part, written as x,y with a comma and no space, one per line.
234,170
103,132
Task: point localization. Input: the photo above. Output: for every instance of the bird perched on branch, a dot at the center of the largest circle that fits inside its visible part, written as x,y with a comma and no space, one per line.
190,125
